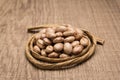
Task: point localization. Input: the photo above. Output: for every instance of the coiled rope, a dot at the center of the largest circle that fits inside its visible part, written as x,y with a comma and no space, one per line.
58,63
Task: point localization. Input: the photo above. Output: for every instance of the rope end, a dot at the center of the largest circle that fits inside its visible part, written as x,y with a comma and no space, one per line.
100,41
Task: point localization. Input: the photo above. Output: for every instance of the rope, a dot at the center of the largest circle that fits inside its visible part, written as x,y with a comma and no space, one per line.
60,63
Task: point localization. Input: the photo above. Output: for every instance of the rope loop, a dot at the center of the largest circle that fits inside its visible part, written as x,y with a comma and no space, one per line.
43,62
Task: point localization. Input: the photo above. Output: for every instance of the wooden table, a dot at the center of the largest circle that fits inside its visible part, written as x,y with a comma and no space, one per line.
100,17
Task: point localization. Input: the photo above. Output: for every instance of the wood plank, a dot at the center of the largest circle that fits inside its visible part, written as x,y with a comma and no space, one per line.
101,17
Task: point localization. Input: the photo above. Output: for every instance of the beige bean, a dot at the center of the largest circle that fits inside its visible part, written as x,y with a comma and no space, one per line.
50,30
58,40
79,31
68,33
43,53
47,41
37,36
40,43
63,55
78,34
69,39
59,34
36,49
43,36
77,49
49,49
67,48
61,29
53,55
84,41
74,43
58,47
50,35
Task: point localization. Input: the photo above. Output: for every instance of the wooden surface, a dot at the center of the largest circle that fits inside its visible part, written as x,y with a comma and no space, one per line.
101,17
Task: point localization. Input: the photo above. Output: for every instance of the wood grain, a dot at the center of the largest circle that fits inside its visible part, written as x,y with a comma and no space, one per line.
101,17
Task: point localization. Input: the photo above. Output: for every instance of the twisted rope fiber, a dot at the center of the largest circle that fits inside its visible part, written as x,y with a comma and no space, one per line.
60,63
